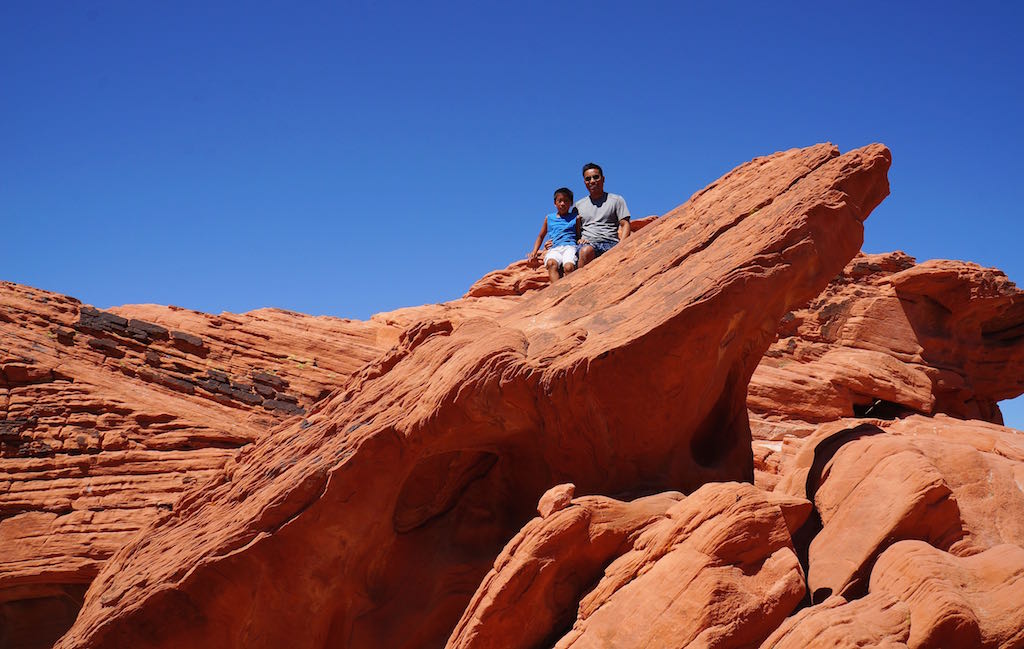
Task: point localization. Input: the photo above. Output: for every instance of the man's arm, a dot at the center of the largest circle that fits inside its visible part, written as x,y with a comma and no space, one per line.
624,227
540,238
579,229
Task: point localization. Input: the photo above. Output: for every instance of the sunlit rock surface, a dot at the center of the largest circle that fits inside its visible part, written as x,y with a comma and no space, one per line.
391,498
106,417
535,466
890,337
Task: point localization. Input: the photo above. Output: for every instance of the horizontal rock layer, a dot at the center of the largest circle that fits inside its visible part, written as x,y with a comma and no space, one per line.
106,417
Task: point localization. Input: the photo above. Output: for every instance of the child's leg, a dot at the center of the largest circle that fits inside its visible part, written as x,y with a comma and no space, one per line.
552,266
569,259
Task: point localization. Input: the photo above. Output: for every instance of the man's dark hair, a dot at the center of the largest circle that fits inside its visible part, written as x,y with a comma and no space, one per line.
591,165
563,190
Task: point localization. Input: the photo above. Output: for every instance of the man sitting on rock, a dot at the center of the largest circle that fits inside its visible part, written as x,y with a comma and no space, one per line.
604,217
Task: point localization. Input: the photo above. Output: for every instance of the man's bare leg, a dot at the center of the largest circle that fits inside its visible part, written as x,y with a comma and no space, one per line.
552,267
586,255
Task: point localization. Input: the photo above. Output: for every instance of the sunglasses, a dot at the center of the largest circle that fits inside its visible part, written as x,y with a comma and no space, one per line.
588,179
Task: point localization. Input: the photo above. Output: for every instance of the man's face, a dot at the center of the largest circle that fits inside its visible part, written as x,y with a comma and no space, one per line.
562,203
594,180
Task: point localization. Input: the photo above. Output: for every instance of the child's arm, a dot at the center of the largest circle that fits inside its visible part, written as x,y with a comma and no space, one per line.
540,239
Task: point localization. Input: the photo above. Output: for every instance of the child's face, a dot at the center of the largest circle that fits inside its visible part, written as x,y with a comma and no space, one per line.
563,203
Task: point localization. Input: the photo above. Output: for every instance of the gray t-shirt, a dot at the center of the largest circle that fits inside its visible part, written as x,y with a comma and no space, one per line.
601,220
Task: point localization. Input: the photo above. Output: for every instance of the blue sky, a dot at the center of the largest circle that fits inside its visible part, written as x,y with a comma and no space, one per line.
347,158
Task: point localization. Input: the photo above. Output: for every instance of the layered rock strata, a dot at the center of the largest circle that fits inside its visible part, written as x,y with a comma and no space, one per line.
890,337
107,417
386,463
389,500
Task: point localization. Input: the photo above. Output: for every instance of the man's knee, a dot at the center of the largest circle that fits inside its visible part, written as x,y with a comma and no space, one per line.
586,254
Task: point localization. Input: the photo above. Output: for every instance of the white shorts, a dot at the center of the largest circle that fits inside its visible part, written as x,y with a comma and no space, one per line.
562,255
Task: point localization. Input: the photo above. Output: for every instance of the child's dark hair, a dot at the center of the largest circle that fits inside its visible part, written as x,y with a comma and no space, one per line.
563,190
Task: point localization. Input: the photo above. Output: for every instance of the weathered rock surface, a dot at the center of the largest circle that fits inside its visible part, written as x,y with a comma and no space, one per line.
969,601
951,483
718,571
536,584
921,597
107,417
390,500
888,337
958,487
872,621
716,568
317,482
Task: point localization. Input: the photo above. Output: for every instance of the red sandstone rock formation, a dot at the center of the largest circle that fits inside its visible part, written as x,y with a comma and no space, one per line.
394,498
107,417
384,464
666,561
953,484
890,337
921,597
537,581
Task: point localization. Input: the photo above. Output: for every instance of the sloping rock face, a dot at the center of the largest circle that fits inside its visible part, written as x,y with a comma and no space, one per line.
106,418
370,521
320,482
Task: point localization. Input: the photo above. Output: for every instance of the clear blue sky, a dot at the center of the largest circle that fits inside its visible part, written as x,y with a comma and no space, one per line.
345,158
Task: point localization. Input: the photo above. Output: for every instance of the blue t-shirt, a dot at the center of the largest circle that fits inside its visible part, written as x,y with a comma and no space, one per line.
562,229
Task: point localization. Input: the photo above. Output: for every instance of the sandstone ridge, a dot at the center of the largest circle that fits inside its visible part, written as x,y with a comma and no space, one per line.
272,479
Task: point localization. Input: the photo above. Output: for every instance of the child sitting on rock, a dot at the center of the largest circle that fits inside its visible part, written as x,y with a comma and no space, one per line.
564,230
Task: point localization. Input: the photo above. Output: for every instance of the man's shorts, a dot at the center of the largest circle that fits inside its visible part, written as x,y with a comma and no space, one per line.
600,247
561,254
